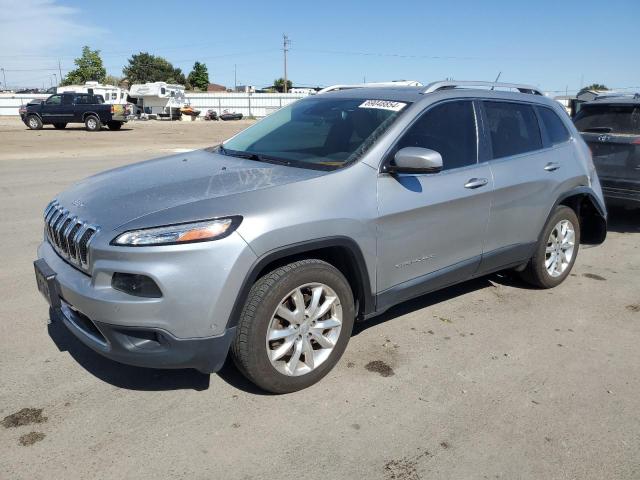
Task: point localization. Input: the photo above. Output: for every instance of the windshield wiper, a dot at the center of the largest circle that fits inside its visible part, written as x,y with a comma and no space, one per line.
254,156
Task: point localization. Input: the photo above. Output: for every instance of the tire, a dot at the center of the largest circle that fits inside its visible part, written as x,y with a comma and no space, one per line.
540,270
253,353
113,125
92,123
59,126
34,122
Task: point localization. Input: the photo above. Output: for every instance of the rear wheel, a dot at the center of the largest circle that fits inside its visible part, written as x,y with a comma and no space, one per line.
295,326
92,123
556,251
59,126
34,122
113,125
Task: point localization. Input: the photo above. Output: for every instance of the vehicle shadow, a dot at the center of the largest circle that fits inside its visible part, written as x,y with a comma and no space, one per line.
426,301
623,220
120,375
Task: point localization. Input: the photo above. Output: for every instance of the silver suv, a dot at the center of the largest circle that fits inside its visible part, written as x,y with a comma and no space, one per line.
329,211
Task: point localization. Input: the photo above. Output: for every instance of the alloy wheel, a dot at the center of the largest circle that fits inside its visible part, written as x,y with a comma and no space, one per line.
560,248
304,329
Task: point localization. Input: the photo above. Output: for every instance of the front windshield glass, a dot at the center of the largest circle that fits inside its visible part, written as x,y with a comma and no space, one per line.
317,132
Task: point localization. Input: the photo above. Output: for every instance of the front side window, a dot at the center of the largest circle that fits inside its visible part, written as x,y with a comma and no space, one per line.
317,132
450,130
54,100
513,128
556,130
623,119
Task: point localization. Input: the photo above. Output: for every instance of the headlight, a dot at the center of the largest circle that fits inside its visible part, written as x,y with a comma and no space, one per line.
203,231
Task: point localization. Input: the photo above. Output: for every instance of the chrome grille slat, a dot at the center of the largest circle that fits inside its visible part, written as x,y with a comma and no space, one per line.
69,236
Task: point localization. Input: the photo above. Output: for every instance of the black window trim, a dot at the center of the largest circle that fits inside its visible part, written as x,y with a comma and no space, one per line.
546,138
388,158
487,135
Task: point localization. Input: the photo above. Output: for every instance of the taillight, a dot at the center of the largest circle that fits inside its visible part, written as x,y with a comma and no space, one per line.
113,108
636,141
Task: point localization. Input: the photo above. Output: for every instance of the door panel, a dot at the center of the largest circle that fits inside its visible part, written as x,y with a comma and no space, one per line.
431,222
523,193
526,176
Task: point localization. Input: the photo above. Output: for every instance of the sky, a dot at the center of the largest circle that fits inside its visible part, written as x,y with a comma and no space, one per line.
557,46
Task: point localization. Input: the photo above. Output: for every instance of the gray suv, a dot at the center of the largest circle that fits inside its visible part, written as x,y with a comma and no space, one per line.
327,212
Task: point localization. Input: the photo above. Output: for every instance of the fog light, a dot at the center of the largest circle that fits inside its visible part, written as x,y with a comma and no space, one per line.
137,285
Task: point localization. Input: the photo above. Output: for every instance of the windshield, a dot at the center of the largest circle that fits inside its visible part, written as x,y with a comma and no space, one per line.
623,119
316,132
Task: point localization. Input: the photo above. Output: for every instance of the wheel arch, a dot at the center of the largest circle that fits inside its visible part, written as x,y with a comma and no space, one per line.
590,211
341,252
86,114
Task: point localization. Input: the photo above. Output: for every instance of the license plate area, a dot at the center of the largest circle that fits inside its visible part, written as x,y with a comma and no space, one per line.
46,281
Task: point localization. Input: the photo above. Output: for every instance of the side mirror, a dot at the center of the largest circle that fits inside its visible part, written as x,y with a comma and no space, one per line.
415,160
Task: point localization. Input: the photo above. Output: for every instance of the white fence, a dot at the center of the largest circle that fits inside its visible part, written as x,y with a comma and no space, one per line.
249,104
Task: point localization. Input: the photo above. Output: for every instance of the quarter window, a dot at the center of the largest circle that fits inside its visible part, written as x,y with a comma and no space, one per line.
449,129
513,128
556,130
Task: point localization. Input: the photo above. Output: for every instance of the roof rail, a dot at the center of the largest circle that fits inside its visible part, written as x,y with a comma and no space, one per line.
449,84
396,83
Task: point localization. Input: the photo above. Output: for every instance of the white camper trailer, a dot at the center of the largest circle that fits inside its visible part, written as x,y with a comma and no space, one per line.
110,93
158,98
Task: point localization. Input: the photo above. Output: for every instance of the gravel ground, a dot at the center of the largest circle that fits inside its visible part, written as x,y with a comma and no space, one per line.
489,379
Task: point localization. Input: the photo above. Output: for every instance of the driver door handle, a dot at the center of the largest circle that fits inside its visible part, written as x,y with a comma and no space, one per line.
551,166
476,183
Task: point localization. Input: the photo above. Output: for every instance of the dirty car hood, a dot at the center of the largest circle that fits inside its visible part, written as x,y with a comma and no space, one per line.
118,196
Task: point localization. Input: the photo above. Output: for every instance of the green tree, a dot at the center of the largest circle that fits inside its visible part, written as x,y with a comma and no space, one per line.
145,67
113,80
593,86
199,76
89,68
278,84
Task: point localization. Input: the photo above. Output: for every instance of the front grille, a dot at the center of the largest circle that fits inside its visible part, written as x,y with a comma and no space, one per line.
68,235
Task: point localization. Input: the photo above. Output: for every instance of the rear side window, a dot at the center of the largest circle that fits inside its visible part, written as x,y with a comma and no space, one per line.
556,130
513,128
623,119
449,129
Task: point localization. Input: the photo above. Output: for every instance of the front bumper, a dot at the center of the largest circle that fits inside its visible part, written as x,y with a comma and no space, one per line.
187,327
147,347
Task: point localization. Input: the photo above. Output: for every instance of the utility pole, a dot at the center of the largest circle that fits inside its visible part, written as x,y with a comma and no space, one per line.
285,48
55,78
235,78
60,69
4,79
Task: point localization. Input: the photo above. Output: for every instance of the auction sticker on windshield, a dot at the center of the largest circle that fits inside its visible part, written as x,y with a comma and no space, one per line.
383,105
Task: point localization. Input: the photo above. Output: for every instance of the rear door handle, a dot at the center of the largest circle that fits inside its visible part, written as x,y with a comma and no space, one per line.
551,166
476,183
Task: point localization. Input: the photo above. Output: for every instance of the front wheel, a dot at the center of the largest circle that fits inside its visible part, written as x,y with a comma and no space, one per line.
556,251
92,123
34,122
295,326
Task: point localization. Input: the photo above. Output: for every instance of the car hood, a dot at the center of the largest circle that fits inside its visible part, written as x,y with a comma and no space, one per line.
115,197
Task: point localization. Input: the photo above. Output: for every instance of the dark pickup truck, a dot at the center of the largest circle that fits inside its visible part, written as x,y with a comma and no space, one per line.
63,108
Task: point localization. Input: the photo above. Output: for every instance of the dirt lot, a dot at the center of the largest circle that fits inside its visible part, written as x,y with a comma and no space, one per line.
487,380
